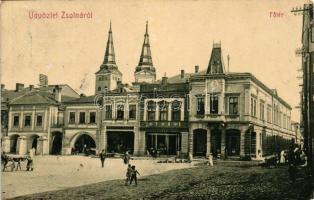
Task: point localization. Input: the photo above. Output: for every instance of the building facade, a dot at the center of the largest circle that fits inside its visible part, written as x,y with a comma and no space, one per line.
209,111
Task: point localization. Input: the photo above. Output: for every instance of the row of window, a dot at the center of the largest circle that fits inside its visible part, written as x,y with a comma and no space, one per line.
28,121
163,111
214,105
82,118
120,113
279,118
102,78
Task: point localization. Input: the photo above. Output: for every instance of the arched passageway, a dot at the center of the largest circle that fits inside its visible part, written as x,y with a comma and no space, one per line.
56,147
85,144
199,142
32,142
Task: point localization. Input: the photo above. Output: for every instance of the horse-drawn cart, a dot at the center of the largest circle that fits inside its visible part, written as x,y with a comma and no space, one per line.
12,161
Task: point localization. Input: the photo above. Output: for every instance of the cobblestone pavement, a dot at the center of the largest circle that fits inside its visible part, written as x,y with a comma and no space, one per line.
226,180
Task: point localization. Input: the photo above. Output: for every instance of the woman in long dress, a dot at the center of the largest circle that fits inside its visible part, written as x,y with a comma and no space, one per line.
282,157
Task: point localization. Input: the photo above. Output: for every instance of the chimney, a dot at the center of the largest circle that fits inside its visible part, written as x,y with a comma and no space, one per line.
43,80
197,68
2,87
182,73
57,93
31,87
19,87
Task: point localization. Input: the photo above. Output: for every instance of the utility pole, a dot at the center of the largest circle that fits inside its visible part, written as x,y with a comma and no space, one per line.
307,53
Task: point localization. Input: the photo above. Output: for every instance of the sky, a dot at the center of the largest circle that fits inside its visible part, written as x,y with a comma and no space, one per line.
182,33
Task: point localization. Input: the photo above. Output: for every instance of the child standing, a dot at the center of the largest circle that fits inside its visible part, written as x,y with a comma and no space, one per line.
128,174
134,175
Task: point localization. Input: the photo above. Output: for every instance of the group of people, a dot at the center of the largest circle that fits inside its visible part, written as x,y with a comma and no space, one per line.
131,174
295,157
15,162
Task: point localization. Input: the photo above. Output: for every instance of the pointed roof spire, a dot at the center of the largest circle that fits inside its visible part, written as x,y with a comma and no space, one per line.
110,55
146,57
216,65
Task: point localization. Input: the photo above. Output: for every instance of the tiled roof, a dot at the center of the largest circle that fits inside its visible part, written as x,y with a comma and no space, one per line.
178,79
35,97
27,95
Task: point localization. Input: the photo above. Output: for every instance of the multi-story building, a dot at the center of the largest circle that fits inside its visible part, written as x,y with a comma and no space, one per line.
164,116
206,112
234,114
33,118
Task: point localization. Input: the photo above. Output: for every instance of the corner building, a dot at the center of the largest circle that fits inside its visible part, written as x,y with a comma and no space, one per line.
235,114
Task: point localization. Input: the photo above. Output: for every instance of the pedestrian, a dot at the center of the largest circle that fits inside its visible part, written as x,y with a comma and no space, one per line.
128,174
134,173
4,160
126,158
84,149
292,170
282,157
18,160
210,160
291,156
30,162
102,157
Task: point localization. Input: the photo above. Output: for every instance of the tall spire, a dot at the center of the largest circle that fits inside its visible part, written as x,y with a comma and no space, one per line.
145,71
146,57
109,55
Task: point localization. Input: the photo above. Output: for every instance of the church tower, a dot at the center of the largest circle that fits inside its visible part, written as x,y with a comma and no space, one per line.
108,75
145,71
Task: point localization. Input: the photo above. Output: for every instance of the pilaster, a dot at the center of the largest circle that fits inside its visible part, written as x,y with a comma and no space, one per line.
22,145
6,144
223,144
208,146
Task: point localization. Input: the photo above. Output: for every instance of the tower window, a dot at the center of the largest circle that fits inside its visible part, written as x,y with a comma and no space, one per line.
213,104
99,88
100,78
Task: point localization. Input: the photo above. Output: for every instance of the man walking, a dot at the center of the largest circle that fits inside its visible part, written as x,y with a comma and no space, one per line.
102,157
